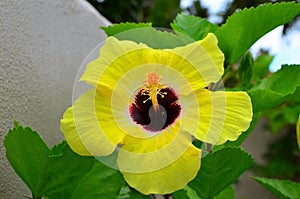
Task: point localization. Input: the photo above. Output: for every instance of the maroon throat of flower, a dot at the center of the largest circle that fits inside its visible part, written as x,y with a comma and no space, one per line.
155,105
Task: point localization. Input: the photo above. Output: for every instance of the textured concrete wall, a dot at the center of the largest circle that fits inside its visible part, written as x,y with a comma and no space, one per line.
42,44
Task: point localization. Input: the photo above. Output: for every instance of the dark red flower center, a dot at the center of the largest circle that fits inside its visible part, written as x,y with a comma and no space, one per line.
155,117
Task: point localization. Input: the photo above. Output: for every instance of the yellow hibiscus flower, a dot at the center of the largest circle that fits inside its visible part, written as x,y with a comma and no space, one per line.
149,104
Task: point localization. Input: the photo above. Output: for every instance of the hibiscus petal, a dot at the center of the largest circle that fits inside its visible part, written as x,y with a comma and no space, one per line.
170,178
112,50
69,129
89,127
200,62
204,56
222,116
139,155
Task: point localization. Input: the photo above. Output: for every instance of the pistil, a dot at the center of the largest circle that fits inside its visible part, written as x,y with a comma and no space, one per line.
152,88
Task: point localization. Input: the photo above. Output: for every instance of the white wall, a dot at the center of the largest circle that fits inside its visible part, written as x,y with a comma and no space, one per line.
42,44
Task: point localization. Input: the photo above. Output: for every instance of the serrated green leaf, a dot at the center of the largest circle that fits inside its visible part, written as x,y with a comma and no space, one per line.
276,89
28,155
195,27
280,81
63,173
219,170
281,188
245,27
148,35
261,66
100,182
122,27
16,123
53,173
263,99
57,150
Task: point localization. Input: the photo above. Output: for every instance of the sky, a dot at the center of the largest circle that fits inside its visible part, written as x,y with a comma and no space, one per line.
285,48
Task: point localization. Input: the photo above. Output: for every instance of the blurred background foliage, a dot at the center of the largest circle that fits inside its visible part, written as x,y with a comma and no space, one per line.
162,12
283,156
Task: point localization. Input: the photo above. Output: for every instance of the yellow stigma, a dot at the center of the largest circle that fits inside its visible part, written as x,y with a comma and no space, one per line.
152,88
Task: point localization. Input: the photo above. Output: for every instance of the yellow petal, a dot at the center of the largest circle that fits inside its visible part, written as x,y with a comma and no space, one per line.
68,127
223,116
89,127
200,62
140,155
146,59
168,179
210,44
206,59
298,131
112,50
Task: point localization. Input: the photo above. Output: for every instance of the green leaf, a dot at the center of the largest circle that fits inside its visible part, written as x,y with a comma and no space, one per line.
59,172
103,182
245,69
189,193
281,188
276,89
296,96
181,194
16,123
100,182
53,173
57,150
63,173
261,66
219,170
282,115
186,193
28,155
151,37
195,27
227,193
122,27
130,193
245,27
